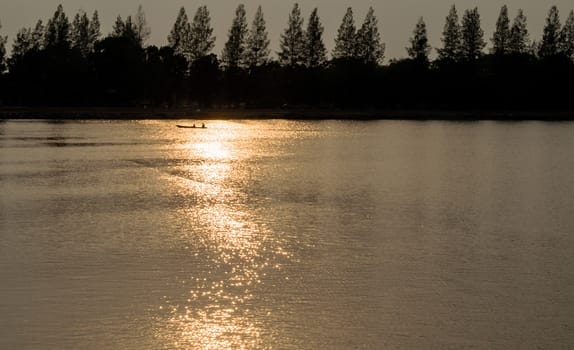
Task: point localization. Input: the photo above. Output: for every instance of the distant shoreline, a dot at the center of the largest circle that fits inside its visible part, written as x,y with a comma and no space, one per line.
140,113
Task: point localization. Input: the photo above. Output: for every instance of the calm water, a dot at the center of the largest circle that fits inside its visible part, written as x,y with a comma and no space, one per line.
286,235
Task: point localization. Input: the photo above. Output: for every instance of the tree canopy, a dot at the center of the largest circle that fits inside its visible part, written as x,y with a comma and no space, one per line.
368,44
501,37
472,36
58,30
257,50
292,44
567,37
519,42
202,40
234,50
451,38
3,40
179,36
85,33
58,62
315,53
420,47
345,45
550,45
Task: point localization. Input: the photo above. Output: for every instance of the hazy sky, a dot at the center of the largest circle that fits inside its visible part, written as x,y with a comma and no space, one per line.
397,18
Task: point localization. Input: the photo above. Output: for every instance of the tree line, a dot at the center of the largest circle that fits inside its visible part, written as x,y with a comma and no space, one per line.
70,63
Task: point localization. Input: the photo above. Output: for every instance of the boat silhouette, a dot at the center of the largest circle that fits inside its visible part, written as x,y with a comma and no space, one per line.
191,126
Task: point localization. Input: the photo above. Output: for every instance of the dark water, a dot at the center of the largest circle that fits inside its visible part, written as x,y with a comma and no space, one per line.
286,235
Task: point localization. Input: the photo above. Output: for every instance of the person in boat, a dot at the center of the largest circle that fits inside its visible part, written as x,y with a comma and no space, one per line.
193,126
203,125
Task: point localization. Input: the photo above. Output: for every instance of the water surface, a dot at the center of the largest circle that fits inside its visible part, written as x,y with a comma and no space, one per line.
286,235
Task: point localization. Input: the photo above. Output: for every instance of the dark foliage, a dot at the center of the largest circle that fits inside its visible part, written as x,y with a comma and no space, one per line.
121,73
118,71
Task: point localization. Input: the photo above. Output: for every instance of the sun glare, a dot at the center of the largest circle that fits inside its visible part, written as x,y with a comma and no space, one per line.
239,248
215,150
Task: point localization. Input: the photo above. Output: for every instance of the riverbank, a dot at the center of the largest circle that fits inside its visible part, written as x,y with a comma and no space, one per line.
133,113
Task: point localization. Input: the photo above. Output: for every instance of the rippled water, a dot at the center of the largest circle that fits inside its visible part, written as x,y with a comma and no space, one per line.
286,235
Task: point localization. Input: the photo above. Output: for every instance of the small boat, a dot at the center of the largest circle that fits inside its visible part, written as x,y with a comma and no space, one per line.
192,126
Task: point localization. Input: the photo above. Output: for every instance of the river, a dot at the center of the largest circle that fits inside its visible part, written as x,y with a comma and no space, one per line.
286,235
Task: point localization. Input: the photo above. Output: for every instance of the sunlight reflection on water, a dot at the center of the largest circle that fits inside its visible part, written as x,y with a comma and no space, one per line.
219,312
286,234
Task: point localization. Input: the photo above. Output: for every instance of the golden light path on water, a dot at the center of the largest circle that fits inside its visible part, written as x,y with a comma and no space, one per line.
223,308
